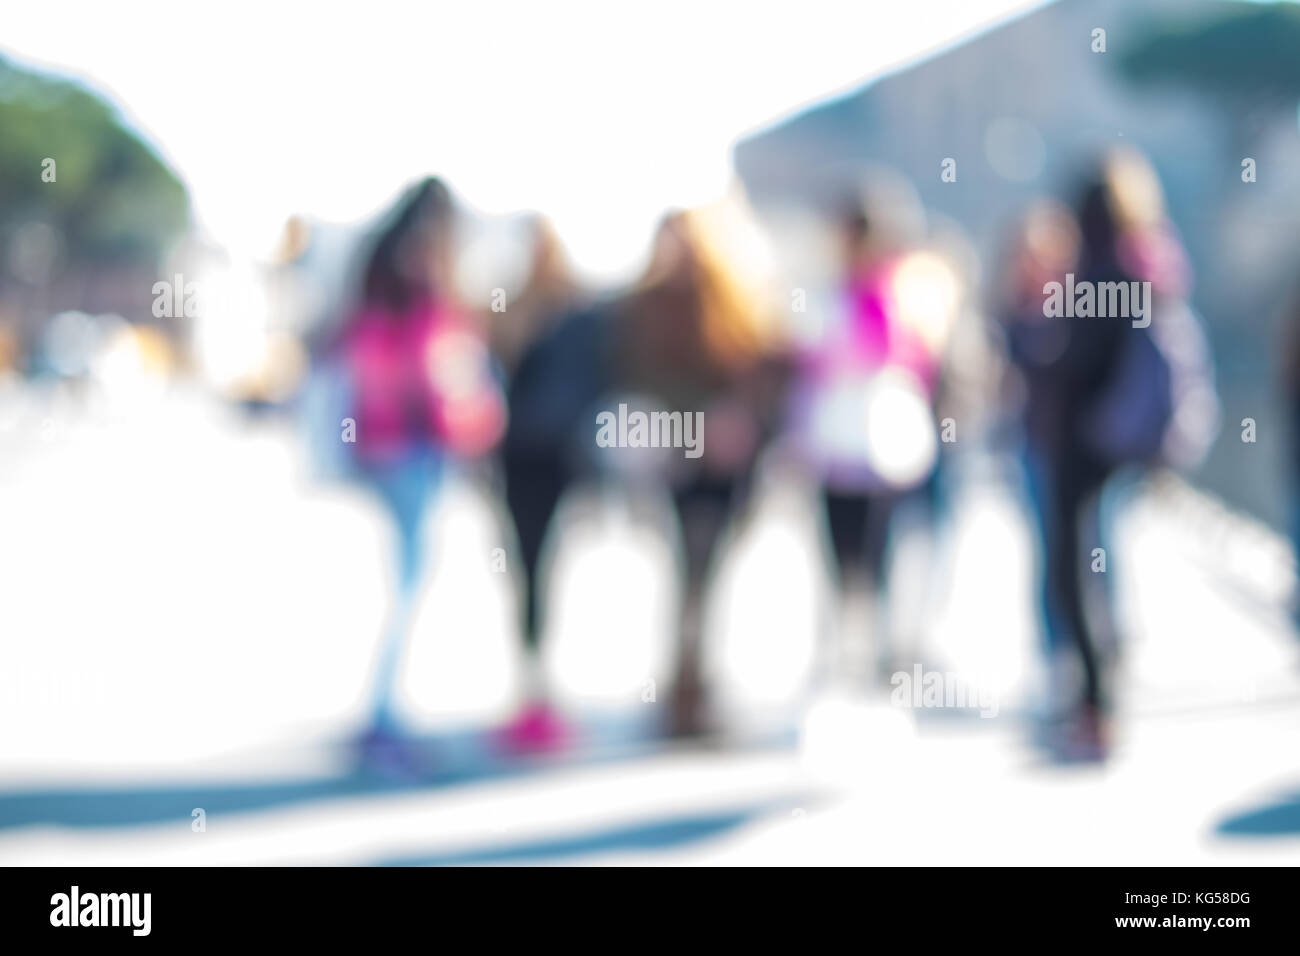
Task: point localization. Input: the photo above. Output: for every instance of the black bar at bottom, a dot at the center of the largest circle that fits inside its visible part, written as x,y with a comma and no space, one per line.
1222,906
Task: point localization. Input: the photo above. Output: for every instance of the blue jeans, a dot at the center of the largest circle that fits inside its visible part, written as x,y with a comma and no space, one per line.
406,485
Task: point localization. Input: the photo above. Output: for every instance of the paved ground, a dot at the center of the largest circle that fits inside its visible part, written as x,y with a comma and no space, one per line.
187,622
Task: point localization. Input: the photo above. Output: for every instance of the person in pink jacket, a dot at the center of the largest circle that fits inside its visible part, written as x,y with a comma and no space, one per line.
862,410
422,389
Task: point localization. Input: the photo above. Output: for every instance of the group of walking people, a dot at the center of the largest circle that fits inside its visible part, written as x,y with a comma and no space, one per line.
859,407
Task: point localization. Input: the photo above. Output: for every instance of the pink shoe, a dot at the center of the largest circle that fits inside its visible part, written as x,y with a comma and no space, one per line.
538,728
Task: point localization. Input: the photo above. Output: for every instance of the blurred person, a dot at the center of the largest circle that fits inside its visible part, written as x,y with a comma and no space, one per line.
10,350
1101,392
1290,382
549,292
421,391
863,412
693,336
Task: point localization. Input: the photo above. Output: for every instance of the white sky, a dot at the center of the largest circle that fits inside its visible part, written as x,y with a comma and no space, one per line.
600,114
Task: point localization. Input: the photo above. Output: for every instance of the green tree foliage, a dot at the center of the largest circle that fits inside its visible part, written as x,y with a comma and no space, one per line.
114,200
1249,56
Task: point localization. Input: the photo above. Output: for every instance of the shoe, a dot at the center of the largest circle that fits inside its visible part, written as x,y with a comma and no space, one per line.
1079,737
689,715
388,753
538,728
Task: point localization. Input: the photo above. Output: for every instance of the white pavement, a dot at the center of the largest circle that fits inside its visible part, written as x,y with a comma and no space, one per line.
181,608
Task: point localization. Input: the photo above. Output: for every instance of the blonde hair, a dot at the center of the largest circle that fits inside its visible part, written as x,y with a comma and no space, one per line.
1133,190
734,265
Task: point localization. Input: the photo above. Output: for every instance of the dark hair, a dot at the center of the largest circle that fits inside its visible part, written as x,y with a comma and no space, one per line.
425,212
851,215
1097,226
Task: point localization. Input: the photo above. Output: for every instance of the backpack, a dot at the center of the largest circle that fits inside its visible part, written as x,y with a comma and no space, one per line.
1159,405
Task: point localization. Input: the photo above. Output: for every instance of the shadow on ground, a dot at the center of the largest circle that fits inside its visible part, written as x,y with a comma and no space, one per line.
649,835
452,760
1281,818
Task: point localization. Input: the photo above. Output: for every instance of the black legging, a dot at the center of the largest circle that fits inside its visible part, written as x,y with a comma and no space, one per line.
703,508
534,486
1066,492
859,526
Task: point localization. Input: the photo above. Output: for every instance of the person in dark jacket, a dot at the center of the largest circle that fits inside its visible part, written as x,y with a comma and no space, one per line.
692,337
1072,368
